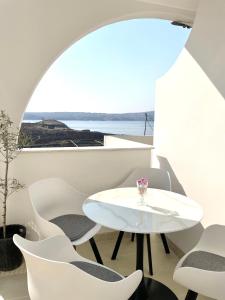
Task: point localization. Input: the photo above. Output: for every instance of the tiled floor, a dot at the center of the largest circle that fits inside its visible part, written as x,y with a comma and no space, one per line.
13,284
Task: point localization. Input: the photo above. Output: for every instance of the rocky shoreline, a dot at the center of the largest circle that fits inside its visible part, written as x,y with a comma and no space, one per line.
53,133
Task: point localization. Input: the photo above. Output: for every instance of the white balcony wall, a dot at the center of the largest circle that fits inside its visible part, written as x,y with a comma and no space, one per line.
190,118
126,142
88,169
148,139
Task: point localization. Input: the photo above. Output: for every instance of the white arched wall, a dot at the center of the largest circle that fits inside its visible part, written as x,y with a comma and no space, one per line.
190,118
34,33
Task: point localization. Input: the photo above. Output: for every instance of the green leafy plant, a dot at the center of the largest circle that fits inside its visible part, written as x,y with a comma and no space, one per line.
11,142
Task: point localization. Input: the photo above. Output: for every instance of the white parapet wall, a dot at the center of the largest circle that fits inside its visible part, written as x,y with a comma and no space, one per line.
89,169
128,141
147,139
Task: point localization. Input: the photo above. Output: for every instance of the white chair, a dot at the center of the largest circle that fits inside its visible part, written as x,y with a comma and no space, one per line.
55,272
159,179
58,210
202,270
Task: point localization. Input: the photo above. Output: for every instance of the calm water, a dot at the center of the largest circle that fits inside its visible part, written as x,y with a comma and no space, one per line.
116,127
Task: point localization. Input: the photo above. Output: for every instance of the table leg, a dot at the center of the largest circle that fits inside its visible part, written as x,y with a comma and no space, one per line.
140,251
149,289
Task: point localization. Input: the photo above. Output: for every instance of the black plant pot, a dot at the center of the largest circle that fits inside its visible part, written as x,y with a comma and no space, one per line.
10,256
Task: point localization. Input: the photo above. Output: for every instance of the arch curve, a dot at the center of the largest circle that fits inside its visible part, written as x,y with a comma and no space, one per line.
37,35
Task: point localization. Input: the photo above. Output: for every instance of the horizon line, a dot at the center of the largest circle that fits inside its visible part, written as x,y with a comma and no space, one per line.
86,112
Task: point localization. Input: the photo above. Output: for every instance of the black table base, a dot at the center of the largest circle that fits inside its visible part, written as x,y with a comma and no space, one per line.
150,289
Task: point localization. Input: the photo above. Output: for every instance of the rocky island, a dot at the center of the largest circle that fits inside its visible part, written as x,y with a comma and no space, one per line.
53,133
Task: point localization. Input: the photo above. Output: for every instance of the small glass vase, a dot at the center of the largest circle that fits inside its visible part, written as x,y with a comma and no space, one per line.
142,186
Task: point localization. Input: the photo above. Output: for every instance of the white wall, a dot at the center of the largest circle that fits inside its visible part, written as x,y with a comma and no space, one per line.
148,139
126,142
190,118
88,169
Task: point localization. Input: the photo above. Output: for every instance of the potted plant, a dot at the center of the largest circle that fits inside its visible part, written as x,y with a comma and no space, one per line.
10,145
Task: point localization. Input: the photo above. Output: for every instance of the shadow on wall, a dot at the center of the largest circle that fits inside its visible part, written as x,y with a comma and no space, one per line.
184,240
176,185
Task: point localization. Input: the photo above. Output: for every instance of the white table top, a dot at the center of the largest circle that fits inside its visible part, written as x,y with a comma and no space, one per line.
120,209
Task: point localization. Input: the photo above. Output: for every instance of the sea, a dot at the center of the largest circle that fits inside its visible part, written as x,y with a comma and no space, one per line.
114,127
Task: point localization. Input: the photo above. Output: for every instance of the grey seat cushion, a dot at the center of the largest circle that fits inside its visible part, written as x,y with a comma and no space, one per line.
205,261
74,226
98,271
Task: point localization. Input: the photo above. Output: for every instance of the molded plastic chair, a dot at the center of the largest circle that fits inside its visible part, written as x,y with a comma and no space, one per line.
159,179
58,210
202,270
55,272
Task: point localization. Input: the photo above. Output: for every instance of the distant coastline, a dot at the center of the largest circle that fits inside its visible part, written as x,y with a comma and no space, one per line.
86,116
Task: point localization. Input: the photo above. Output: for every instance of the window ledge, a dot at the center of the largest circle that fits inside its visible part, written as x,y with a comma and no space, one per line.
85,149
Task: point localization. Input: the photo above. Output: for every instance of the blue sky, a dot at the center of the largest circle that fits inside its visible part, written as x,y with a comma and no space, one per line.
112,70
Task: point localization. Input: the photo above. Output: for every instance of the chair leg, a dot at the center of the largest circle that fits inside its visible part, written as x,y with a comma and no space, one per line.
132,237
149,254
191,295
164,241
117,246
95,250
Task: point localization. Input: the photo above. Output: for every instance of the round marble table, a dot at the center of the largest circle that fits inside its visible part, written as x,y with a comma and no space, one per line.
163,211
